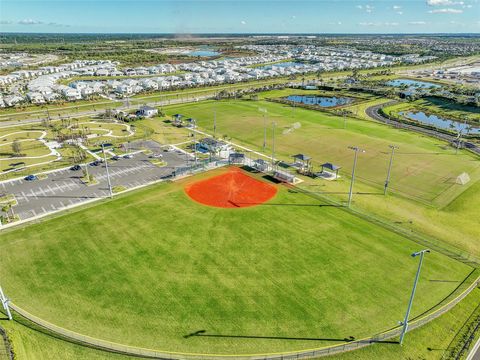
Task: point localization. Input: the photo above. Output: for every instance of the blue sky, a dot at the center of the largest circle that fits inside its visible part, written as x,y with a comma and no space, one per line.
241,16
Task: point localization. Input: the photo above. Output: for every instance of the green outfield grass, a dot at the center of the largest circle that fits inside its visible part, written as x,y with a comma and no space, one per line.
151,267
424,168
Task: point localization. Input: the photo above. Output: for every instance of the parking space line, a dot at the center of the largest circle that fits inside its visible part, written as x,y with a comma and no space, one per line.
25,197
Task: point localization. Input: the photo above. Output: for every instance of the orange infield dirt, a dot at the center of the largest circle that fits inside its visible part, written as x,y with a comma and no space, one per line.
234,189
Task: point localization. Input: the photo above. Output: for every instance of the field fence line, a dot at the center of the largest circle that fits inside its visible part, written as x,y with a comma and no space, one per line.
89,341
7,351
74,337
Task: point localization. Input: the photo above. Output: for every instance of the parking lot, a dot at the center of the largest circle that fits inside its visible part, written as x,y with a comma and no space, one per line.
64,188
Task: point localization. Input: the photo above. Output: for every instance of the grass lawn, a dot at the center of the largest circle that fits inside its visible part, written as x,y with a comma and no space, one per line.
153,266
428,342
424,167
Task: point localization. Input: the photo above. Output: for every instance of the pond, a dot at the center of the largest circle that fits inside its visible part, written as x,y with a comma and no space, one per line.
439,122
323,101
412,83
203,53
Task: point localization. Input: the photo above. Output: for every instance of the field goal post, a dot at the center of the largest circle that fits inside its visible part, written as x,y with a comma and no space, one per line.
5,302
462,179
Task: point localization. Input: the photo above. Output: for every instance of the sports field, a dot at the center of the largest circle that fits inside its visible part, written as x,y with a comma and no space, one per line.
156,269
424,168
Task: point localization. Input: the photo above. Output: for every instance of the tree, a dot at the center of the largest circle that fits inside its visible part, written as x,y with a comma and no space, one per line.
16,147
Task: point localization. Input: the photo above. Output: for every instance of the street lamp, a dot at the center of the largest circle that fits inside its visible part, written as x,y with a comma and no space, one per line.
357,150
387,180
108,174
194,125
405,321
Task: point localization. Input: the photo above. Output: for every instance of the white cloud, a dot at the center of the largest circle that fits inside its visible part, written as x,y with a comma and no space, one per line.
367,8
6,22
417,23
443,2
378,24
446,11
30,22
396,7
243,22
400,12
294,17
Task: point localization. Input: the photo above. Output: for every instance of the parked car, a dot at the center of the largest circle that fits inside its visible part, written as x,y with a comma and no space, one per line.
128,156
31,178
75,167
116,157
95,163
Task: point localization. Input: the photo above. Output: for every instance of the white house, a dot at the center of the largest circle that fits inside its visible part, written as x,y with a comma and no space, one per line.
147,111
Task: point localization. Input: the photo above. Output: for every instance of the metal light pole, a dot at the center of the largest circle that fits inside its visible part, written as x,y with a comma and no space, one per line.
405,321
387,180
194,124
273,145
108,174
214,123
350,193
264,132
4,300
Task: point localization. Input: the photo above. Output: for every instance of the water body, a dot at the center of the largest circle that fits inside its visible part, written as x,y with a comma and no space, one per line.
412,83
203,53
322,101
439,122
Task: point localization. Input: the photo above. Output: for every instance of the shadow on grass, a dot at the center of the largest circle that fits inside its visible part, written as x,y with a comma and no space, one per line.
204,334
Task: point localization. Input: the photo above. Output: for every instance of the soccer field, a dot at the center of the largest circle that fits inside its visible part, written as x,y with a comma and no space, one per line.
153,267
424,168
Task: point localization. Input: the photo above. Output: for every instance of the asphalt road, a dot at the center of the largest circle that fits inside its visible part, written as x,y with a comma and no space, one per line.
64,188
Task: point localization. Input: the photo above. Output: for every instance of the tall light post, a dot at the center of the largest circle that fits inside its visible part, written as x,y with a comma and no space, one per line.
273,145
108,174
405,321
194,125
357,150
387,180
264,131
4,300
214,123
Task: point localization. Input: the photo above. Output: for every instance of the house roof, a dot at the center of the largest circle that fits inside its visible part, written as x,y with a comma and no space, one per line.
302,157
331,166
146,108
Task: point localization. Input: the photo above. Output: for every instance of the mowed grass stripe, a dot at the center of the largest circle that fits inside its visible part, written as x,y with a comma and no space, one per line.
153,266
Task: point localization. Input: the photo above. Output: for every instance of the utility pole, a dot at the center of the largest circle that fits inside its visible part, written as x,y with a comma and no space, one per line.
350,193
344,120
405,321
5,305
108,174
387,180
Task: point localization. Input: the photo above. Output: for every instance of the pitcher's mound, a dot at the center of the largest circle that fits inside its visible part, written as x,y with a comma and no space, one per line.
231,190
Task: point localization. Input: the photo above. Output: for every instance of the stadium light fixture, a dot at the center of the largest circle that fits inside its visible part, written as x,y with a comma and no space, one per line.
405,321
387,180
357,150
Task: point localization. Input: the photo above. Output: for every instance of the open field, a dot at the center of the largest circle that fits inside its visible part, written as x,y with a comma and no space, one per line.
185,267
429,342
424,168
